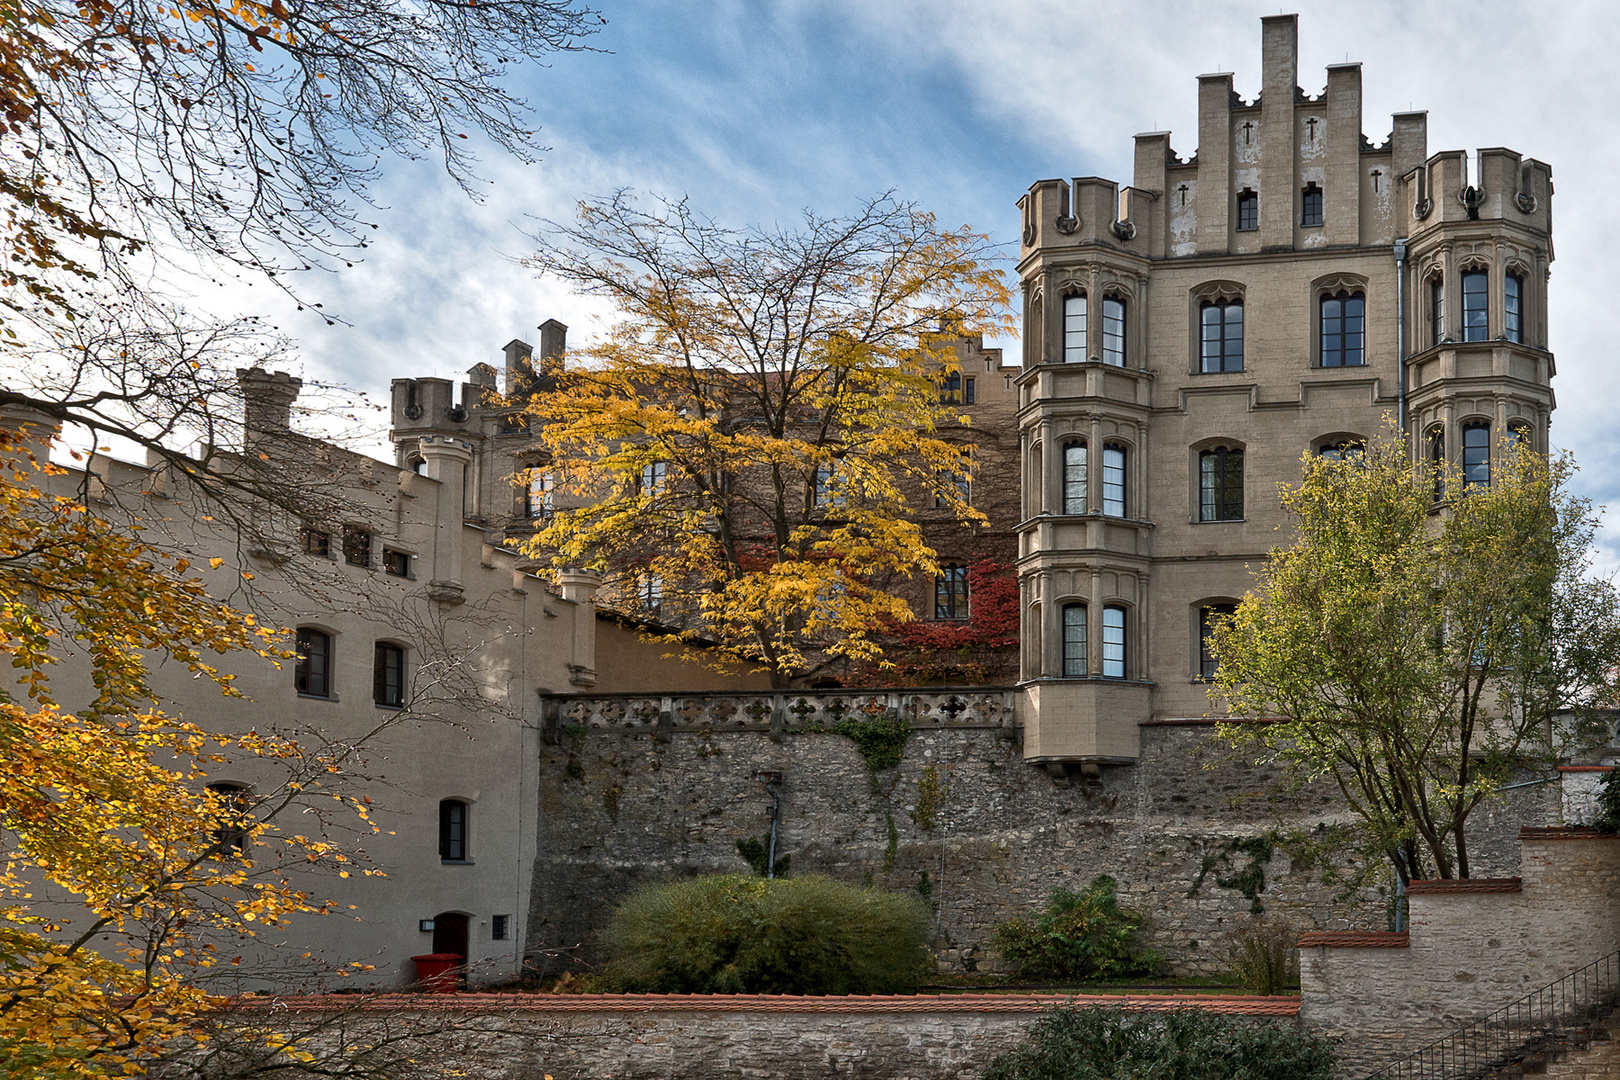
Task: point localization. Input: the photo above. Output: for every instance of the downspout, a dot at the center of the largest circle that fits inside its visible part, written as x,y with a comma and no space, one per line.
1400,336
776,814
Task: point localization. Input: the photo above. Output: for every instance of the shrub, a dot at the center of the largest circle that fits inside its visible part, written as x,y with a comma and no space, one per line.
1263,956
1109,1044
731,934
1078,936
1608,802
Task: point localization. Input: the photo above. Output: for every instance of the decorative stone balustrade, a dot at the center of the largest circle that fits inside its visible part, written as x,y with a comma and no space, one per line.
798,710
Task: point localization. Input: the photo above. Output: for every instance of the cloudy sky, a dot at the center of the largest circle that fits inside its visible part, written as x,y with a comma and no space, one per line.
759,110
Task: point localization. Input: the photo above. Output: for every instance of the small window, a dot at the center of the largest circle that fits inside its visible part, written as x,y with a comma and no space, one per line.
653,475
650,593
1113,480
951,593
419,466
1344,330
1513,312
388,675
317,543
1209,617
1476,461
498,927
233,803
1221,336
1310,207
1113,642
537,494
312,672
453,830
1113,331
1437,311
1248,211
1074,329
967,390
1074,478
1437,460
357,546
950,390
1475,323
961,485
825,491
1343,450
1074,641
1220,484
396,563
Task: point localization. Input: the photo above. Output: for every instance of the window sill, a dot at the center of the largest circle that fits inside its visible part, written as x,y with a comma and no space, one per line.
388,708
1239,371
1218,521
318,697
457,862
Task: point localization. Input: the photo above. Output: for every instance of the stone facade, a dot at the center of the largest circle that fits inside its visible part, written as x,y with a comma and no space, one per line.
634,790
1474,946
1273,295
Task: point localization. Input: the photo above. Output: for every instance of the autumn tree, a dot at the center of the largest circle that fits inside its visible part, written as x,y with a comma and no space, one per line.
1422,639
741,453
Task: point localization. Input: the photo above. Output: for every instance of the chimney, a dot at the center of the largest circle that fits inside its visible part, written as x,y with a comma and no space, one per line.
518,368
267,398
553,343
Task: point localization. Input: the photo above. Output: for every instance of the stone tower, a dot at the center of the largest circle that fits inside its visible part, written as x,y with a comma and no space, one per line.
1291,288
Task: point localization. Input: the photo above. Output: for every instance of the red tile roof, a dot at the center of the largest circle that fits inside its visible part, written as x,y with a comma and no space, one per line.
1446,886
1354,939
1239,1005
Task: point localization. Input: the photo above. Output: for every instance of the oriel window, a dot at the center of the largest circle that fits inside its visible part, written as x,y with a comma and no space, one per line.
1113,480
1074,329
1476,461
1074,641
1113,642
1074,478
1113,331
1513,310
1475,323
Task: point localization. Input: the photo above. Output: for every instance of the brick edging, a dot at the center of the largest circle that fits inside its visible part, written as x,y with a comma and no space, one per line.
1563,832
1356,939
1239,1005
1451,886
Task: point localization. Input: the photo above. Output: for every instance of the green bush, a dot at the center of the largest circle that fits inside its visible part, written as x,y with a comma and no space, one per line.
1263,955
1109,1044
1608,802
1078,936
732,934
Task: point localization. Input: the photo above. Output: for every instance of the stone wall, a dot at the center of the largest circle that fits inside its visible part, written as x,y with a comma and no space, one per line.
1474,947
659,1037
1195,839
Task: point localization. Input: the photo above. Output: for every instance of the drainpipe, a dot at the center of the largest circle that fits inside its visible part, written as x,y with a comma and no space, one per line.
1400,334
771,780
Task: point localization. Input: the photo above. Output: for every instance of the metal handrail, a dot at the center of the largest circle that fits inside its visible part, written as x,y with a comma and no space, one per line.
1544,1019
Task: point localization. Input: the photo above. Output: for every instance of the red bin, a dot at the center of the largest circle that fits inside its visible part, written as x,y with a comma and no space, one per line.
437,973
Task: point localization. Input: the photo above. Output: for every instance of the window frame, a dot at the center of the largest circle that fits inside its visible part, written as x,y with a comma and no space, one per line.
653,478
1342,356
1215,480
388,675
952,599
1076,326
1476,317
968,390
950,388
1247,217
1513,308
455,831
1437,311
539,494
1115,461
316,542
1223,340
1476,454
1311,193
1075,643
305,675
1436,451
1071,483
1115,638
1207,663
396,563
1114,329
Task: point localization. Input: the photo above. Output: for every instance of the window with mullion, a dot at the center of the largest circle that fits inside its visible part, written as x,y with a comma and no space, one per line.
1248,211
1074,329
1113,331
1074,641
1310,215
1476,455
1476,325
1113,642
1074,478
388,675
312,672
453,830
1220,485
1113,480
1437,311
1208,619
1344,330
951,593
1513,311
1437,461
1221,336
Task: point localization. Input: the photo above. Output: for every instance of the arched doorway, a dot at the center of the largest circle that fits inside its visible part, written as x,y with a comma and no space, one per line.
450,936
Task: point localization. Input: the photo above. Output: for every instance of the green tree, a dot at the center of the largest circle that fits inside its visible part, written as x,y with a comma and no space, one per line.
1421,640
1085,935
742,451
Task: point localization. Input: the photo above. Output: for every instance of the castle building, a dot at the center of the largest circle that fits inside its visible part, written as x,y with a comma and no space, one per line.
1283,291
